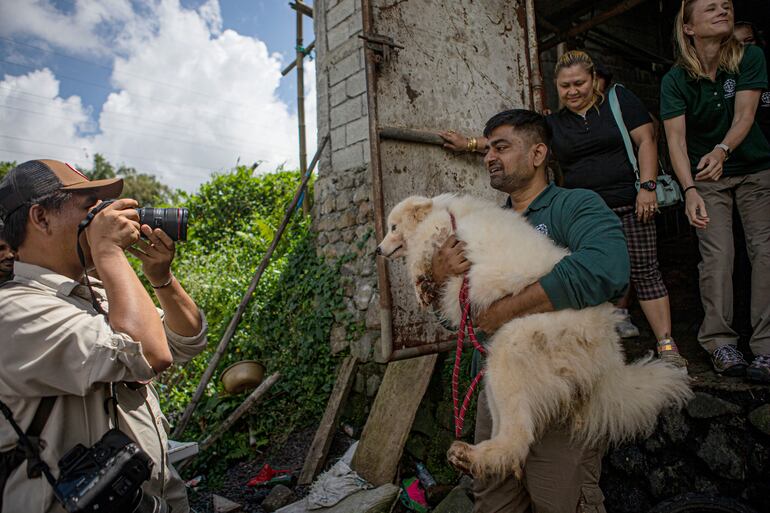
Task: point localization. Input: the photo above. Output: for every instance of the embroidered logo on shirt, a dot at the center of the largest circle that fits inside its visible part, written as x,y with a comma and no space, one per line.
542,229
729,88
765,99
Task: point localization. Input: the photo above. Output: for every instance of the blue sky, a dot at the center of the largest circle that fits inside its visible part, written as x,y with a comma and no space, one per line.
178,88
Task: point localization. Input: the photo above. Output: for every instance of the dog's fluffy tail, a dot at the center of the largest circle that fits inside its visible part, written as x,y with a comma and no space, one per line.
628,398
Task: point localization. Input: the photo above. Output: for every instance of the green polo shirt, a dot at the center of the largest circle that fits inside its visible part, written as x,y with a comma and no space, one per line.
597,269
709,107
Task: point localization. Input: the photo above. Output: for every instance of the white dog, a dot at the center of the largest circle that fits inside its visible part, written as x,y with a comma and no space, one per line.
557,367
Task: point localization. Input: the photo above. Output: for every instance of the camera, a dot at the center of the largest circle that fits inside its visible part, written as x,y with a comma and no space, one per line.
173,221
106,477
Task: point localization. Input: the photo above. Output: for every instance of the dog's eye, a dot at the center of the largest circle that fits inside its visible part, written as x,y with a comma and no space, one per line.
393,227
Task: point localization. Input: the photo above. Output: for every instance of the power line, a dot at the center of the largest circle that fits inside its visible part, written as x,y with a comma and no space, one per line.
173,128
126,130
140,96
115,70
121,155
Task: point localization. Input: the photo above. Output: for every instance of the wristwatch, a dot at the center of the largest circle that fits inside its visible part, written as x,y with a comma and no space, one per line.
649,185
725,148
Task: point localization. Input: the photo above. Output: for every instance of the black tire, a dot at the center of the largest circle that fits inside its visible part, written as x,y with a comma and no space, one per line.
699,503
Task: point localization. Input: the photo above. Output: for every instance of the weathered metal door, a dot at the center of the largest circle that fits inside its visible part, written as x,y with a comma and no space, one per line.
434,65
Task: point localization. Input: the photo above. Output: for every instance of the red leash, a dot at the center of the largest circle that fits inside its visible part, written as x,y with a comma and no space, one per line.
466,325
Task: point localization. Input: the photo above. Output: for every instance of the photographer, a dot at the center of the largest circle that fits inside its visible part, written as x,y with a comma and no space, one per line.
93,345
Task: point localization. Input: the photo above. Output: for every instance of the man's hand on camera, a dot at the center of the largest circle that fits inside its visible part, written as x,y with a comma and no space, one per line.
115,227
156,254
449,260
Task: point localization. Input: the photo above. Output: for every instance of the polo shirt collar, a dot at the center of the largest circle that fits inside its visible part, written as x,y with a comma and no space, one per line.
35,275
543,200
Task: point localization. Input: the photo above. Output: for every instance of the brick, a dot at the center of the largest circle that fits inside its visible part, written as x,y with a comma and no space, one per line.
339,140
357,130
356,84
346,67
346,112
338,36
348,158
337,94
339,12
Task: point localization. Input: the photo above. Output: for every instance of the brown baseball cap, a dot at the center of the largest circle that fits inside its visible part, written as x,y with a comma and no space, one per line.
28,182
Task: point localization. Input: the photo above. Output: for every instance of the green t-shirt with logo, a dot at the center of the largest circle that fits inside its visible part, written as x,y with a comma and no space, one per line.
709,108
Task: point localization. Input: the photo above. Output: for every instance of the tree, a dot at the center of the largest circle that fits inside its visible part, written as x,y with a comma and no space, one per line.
5,167
144,188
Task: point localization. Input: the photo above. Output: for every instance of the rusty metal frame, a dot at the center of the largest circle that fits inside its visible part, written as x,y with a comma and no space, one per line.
371,59
376,49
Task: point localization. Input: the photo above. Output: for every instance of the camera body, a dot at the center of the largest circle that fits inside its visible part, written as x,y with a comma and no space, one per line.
106,477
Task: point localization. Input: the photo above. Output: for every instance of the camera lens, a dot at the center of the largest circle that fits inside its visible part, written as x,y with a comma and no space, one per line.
173,221
150,504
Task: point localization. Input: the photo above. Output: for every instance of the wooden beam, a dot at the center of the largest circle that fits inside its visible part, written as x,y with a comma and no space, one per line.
622,7
323,436
302,8
382,441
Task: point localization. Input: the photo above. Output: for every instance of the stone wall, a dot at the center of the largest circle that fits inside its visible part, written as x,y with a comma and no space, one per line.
342,212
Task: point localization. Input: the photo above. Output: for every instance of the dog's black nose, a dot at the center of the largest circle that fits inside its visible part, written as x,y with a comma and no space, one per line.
378,251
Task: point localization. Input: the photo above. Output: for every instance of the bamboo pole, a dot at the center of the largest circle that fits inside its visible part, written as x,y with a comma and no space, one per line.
301,99
230,331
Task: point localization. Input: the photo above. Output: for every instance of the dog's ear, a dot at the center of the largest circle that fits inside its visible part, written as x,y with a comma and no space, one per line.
421,208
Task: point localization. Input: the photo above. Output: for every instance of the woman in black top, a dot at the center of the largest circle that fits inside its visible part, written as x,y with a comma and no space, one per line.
589,148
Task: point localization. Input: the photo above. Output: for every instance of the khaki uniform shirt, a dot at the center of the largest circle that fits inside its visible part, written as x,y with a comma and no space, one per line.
54,343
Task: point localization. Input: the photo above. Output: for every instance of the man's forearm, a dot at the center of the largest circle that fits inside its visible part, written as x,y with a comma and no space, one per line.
181,312
531,300
131,310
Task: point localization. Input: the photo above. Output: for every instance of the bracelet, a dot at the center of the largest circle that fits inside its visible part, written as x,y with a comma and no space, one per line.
472,144
156,287
687,189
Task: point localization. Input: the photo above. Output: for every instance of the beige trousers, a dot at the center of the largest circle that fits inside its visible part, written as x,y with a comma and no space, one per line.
559,476
751,194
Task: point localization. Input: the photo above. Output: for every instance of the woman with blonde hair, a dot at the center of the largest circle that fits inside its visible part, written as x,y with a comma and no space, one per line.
589,147
708,104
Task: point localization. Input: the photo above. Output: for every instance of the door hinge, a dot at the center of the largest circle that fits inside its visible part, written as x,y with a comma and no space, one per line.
381,46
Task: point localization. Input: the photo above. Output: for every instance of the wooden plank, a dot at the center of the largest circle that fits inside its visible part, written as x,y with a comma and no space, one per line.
325,433
391,418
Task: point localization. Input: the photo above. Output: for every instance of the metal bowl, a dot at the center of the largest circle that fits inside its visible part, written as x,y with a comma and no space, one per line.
242,376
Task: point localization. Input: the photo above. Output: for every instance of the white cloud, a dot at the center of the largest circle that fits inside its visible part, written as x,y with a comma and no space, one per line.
190,97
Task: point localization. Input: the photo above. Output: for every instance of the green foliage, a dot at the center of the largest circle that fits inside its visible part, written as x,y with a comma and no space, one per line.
5,167
233,219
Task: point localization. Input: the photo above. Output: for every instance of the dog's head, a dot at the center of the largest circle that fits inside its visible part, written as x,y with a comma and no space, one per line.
402,222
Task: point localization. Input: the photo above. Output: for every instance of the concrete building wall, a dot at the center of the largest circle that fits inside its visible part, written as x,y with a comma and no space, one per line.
342,212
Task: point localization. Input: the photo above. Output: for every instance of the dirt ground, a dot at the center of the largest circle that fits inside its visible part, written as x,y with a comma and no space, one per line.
289,456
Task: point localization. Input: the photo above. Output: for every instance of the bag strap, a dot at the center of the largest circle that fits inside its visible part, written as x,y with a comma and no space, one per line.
12,458
618,115
41,416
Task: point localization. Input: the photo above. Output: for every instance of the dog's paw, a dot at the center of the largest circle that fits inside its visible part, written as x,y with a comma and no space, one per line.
458,456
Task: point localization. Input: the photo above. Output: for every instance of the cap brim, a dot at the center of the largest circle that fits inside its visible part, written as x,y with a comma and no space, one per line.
104,189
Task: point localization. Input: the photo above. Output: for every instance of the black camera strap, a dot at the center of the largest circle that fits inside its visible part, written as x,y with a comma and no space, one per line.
81,256
28,447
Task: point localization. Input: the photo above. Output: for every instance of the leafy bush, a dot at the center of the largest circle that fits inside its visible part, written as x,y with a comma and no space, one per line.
233,219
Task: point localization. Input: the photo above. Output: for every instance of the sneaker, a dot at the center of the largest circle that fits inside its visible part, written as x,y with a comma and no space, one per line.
669,353
759,370
625,327
729,361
